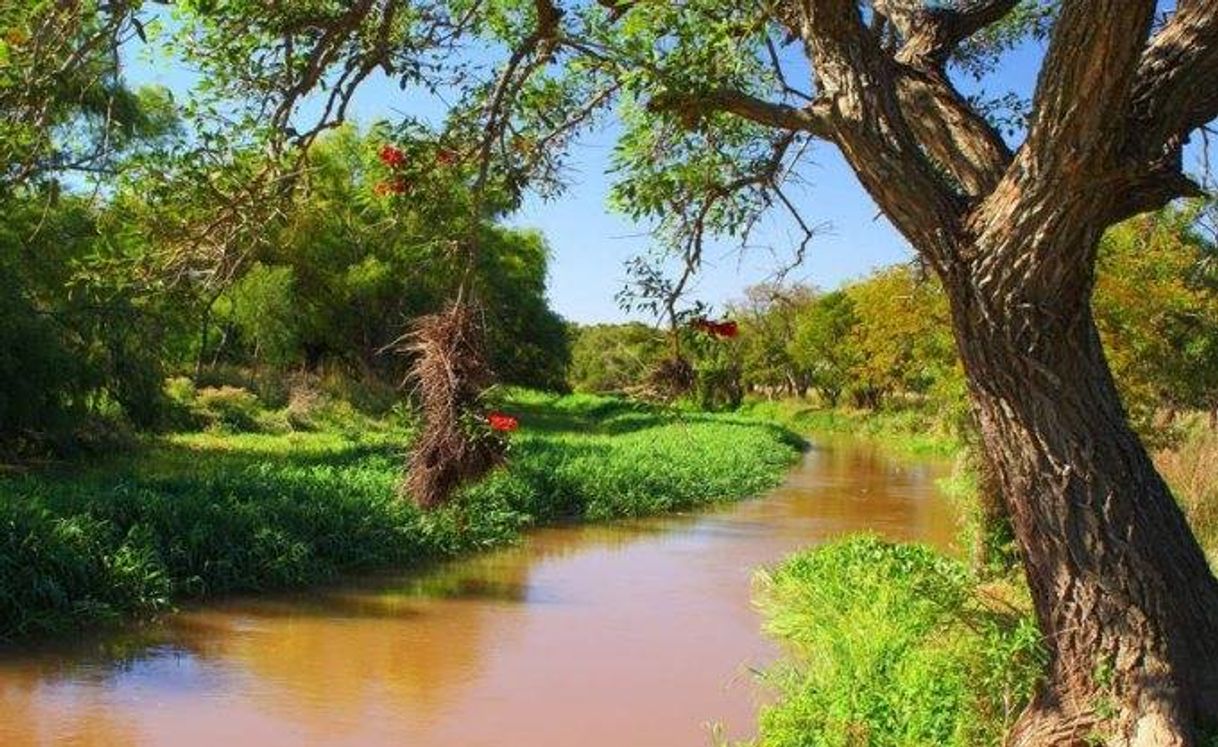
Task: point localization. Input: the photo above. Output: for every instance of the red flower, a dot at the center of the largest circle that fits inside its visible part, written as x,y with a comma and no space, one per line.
502,422
392,156
446,157
716,329
727,329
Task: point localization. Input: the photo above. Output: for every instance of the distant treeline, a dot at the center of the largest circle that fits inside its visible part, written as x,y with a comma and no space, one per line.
886,339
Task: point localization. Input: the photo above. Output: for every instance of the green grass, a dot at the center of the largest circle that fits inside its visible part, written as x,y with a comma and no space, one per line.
893,646
199,514
911,430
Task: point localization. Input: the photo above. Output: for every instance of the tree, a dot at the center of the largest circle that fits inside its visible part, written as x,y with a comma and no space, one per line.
614,357
822,344
66,107
902,340
1157,310
1123,594
767,316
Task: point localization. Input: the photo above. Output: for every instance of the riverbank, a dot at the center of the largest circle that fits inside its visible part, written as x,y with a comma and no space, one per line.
910,431
897,644
201,514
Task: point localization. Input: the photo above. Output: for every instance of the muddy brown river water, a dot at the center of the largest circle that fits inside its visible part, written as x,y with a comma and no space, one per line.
635,634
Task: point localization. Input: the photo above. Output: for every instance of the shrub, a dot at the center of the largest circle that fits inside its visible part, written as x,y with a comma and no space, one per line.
228,408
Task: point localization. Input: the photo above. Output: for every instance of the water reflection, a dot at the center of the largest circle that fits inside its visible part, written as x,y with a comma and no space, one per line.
636,633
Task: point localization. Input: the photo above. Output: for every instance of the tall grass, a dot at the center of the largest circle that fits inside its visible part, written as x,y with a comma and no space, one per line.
893,646
209,513
1191,469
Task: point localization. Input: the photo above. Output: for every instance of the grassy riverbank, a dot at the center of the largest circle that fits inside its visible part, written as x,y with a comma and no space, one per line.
896,645
893,645
916,431
198,514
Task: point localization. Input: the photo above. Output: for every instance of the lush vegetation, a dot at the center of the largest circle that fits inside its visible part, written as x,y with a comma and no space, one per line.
893,646
99,304
248,274
221,511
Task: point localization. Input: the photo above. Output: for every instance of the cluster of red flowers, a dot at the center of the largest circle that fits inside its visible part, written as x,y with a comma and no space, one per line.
392,156
716,329
396,186
446,157
502,422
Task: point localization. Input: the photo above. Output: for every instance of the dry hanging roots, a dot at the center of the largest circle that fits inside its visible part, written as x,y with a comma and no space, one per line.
451,372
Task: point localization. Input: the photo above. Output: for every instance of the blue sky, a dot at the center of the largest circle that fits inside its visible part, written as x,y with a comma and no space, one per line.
590,244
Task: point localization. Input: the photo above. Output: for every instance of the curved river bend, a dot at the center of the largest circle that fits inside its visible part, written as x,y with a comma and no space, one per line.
638,633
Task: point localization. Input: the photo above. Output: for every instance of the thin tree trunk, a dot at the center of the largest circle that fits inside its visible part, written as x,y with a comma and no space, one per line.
1122,591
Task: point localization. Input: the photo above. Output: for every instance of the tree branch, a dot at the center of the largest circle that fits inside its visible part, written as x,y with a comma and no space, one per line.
1176,89
932,33
1087,76
811,118
952,132
857,80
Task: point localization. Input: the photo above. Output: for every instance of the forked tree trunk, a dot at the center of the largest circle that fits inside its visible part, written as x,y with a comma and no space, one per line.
1122,590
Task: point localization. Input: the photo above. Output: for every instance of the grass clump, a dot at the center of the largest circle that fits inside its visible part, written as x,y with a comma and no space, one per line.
213,512
893,645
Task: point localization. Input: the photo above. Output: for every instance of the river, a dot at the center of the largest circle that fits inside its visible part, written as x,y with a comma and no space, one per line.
638,633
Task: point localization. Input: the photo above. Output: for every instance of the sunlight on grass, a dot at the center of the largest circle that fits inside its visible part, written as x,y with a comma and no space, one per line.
198,514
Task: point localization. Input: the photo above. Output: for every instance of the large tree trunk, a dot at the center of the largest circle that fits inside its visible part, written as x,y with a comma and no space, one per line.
1124,596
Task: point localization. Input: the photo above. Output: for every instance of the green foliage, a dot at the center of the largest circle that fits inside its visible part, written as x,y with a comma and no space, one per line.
609,358
350,269
84,332
902,340
215,512
768,317
36,368
263,311
1157,310
918,431
819,345
66,106
227,408
892,645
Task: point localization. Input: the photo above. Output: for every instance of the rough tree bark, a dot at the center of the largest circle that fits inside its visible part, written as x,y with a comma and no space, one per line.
1122,591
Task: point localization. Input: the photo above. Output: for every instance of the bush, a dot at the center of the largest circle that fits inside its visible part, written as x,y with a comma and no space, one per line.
892,645
228,408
